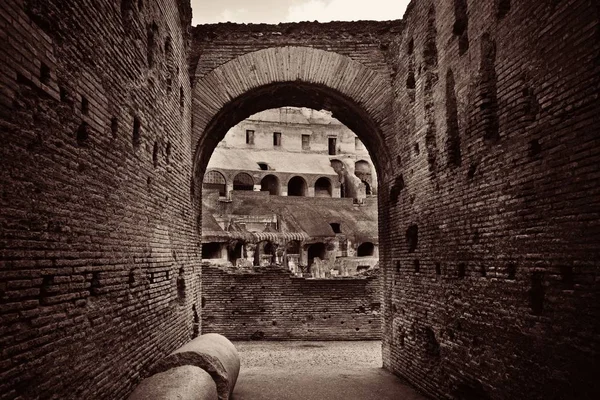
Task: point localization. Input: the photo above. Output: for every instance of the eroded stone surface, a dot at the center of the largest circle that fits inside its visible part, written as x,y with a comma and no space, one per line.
185,382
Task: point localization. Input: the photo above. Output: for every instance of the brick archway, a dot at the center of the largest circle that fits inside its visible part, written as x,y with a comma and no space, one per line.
292,76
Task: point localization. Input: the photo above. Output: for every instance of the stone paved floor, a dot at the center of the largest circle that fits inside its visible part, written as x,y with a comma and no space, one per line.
316,371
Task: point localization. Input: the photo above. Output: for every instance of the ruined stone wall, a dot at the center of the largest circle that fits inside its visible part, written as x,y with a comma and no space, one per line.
97,246
491,219
273,305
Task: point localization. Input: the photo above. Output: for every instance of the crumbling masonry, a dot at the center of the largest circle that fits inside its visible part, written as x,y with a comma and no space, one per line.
481,118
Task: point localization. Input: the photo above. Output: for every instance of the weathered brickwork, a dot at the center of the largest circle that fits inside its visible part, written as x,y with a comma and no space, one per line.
481,118
499,299
488,228
98,252
364,41
271,304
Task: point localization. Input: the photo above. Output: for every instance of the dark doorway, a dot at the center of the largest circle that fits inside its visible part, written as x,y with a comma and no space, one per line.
315,250
270,183
367,188
297,186
365,250
323,188
211,250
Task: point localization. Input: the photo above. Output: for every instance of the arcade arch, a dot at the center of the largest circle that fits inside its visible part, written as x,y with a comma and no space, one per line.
214,180
243,181
270,183
365,249
323,187
357,96
297,186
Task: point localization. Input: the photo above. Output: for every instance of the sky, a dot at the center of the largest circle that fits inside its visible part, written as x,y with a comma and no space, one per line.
275,11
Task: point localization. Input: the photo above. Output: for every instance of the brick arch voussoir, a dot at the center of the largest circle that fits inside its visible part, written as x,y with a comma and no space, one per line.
368,90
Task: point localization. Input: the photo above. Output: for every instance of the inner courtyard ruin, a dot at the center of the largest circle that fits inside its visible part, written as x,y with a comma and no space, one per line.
481,119
291,187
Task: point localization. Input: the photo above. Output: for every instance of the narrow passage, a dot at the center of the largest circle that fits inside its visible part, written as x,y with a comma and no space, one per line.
310,370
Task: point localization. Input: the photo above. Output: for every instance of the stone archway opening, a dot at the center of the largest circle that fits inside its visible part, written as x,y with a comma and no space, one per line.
366,249
214,180
358,98
270,183
292,94
323,188
243,181
297,187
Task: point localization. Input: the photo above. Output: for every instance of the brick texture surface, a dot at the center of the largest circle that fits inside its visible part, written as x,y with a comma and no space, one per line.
481,118
270,304
364,41
500,297
95,234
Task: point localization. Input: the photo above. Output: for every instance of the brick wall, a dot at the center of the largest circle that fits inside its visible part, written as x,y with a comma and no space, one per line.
363,41
488,227
497,167
97,249
270,304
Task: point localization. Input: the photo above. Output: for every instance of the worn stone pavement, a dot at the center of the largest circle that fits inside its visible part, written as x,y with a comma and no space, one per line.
310,370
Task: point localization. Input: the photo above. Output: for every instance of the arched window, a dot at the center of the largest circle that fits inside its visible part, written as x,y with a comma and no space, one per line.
270,183
214,180
243,181
323,187
366,249
297,186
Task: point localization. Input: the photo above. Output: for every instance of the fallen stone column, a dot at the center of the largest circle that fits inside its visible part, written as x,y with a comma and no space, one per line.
213,353
182,383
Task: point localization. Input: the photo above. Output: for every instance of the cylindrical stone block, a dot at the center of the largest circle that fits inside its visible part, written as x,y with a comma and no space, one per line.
213,353
182,383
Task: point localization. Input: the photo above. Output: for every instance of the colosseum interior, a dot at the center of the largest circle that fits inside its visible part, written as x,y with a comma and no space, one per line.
482,122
